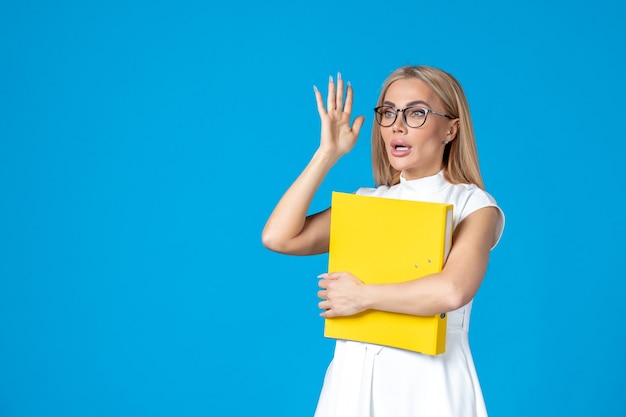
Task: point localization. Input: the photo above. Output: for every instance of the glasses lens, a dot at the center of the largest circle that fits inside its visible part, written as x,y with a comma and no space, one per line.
386,115
415,116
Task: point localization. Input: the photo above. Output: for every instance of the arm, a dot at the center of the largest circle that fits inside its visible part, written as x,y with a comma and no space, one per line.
448,290
288,229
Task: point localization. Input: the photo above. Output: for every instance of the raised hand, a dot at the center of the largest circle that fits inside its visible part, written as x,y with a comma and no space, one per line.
290,228
337,137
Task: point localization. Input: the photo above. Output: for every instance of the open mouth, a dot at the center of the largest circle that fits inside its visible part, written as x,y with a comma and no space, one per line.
399,145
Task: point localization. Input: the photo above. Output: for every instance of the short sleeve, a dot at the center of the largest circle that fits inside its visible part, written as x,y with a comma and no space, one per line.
481,199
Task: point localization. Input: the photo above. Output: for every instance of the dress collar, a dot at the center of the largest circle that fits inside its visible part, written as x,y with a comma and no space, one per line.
431,183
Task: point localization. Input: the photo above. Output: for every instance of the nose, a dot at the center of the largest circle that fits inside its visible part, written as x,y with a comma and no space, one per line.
399,124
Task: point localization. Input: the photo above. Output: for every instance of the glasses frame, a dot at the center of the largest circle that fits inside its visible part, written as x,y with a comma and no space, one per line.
403,111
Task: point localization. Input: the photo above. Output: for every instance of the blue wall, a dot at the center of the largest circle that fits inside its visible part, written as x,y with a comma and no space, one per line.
143,145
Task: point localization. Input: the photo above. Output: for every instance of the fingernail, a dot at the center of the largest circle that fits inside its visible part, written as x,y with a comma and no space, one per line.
330,78
338,75
315,88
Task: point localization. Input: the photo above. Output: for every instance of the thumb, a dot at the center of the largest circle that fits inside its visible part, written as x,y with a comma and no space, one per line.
357,124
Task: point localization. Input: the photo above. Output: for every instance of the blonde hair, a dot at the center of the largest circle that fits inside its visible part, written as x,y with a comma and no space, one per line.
460,157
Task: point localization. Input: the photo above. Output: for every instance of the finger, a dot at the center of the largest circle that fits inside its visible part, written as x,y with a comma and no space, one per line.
319,101
324,305
330,100
323,280
349,96
339,99
326,283
333,275
323,294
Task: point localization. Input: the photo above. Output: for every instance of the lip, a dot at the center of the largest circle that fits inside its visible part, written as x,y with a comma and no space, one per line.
399,148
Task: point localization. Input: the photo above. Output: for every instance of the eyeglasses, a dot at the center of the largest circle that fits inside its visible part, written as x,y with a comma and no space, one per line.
413,116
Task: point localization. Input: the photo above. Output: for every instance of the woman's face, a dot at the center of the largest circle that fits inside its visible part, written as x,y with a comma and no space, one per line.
416,151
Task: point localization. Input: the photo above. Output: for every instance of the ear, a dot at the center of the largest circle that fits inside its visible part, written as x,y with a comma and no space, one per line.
453,129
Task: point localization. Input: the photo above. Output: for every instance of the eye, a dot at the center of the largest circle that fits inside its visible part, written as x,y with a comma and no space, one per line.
387,112
416,113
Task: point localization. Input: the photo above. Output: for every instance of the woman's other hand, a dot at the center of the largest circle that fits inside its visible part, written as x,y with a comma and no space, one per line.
342,294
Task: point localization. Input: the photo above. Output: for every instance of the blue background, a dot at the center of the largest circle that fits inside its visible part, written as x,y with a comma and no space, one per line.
143,145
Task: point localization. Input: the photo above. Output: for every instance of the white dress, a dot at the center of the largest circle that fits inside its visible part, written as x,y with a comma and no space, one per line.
366,380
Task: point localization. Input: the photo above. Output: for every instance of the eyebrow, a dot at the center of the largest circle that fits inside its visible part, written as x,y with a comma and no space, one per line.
409,104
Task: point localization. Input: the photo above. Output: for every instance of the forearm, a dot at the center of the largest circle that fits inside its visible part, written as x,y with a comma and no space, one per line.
288,218
344,294
290,229
422,297
438,293
453,287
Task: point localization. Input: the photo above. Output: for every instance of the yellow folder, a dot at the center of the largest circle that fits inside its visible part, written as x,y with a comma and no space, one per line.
383,240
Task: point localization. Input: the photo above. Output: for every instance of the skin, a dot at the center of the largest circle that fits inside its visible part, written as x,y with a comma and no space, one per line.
289,230
426,142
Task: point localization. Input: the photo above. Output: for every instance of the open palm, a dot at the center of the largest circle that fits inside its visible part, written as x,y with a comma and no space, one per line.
337,137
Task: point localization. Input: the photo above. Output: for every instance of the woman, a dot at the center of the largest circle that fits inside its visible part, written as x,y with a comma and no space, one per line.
423,148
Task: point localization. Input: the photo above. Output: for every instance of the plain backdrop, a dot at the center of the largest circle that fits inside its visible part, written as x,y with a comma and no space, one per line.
144,143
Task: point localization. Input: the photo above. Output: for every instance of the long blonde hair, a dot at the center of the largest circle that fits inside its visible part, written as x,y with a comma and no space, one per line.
460,157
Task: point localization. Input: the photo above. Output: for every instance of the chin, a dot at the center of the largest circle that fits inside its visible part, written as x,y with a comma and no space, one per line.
400,165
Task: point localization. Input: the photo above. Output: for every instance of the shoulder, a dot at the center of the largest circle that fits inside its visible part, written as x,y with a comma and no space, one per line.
469,198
